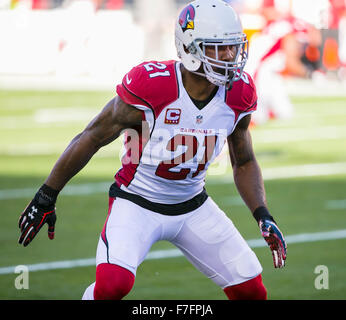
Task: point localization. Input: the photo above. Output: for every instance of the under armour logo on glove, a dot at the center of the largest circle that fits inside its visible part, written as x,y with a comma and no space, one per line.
31,214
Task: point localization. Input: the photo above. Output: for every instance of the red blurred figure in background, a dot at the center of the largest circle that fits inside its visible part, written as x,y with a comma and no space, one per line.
286,45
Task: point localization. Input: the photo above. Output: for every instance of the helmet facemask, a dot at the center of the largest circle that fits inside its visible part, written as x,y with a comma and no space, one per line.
217,71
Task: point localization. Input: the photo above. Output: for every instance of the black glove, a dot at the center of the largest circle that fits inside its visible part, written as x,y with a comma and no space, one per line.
40,210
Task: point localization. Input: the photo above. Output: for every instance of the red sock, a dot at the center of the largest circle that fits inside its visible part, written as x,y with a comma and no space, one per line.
112,282
253,289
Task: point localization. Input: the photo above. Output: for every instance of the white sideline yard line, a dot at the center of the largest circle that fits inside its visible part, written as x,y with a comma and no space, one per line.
298,134
336,204
288,172
299,171
306,170
173,253
70,190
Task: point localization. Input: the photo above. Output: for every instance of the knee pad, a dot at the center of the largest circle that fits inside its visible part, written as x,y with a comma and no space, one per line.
253,289
112,282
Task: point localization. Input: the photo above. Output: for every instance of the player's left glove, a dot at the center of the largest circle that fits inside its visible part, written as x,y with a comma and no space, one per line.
272,235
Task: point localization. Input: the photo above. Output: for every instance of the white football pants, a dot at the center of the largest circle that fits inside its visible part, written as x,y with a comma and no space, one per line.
206,236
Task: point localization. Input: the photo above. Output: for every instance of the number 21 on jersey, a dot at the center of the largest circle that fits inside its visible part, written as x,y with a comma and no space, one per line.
164,168
151,66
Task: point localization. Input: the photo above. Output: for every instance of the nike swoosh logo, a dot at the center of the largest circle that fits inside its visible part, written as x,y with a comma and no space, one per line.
128,81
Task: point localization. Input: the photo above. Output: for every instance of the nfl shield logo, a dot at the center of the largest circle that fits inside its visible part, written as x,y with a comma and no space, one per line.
199,119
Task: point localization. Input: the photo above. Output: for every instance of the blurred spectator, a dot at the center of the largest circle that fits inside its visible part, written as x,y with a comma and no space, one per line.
114,4
56,3
334,49
109,4
336,13
277,50
40,4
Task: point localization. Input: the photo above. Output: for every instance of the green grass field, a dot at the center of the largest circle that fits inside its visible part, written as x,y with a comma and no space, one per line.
36,126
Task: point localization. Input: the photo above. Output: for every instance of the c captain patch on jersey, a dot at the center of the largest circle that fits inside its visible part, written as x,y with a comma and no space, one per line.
172,116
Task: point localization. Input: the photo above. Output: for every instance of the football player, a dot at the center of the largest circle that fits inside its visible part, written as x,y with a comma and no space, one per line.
279,49
177,116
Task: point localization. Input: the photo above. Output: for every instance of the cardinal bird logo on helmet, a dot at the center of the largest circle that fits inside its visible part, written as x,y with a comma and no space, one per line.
186,18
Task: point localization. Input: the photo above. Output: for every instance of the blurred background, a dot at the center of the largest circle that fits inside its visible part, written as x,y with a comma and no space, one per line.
78,42
60,61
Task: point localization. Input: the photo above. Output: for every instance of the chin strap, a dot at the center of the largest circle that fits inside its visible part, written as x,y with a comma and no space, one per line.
228,85
199,74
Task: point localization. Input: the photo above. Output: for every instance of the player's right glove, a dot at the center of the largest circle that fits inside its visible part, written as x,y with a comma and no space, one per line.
39,211
272,235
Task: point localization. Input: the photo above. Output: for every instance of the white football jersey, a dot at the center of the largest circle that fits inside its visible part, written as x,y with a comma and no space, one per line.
168,162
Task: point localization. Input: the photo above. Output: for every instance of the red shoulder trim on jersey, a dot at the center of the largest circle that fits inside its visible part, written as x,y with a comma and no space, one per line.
129,97
242,97
152,84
